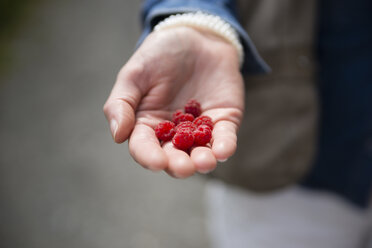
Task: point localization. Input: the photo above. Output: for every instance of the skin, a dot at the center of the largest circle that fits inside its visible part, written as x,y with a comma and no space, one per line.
169,68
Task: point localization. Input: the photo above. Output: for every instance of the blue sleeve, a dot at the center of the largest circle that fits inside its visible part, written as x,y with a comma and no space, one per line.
154,11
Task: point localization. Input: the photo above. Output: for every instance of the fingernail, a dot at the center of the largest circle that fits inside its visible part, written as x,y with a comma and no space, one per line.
113,127
222,160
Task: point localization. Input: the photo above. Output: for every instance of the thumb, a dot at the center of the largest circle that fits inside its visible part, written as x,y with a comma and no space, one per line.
121,105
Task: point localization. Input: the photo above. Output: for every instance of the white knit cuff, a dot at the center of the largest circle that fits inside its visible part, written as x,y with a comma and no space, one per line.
205,21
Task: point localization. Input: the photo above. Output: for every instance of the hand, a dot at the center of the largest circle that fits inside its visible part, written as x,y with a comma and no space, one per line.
171,67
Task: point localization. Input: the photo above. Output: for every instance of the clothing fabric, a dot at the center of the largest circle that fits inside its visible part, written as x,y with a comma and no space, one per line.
342,162
294,217
278,134
344,154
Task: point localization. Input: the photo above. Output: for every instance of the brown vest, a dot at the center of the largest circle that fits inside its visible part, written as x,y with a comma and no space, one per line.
276,139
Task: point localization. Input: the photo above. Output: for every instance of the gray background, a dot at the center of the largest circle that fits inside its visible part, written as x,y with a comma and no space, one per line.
63,182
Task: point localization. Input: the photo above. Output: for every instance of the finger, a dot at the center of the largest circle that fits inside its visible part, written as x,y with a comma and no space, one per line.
121,105
145,148
203,159
224,140
180,164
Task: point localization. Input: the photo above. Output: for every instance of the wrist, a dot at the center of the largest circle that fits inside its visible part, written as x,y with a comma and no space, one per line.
207,25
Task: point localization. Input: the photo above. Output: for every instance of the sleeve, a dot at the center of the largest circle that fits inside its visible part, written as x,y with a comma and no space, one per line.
153,11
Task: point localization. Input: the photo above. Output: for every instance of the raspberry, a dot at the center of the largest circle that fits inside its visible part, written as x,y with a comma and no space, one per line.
187,125
202,135
183,139
193,107
204,120
179,117
188,128
165,130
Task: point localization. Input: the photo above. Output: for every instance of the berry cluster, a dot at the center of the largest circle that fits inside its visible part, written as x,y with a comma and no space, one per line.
188,128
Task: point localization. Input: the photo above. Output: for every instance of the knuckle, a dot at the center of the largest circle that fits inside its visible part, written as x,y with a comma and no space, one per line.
106,107
132,71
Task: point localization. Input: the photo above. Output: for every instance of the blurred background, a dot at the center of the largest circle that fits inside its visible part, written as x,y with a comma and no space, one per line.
63,181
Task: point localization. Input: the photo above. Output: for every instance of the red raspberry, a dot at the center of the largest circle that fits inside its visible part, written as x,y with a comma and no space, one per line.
187,125
165,130
179,117
183,139
193,107
202,135
204,120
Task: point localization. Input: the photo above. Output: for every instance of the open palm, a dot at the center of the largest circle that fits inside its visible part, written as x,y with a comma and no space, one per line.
171,67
